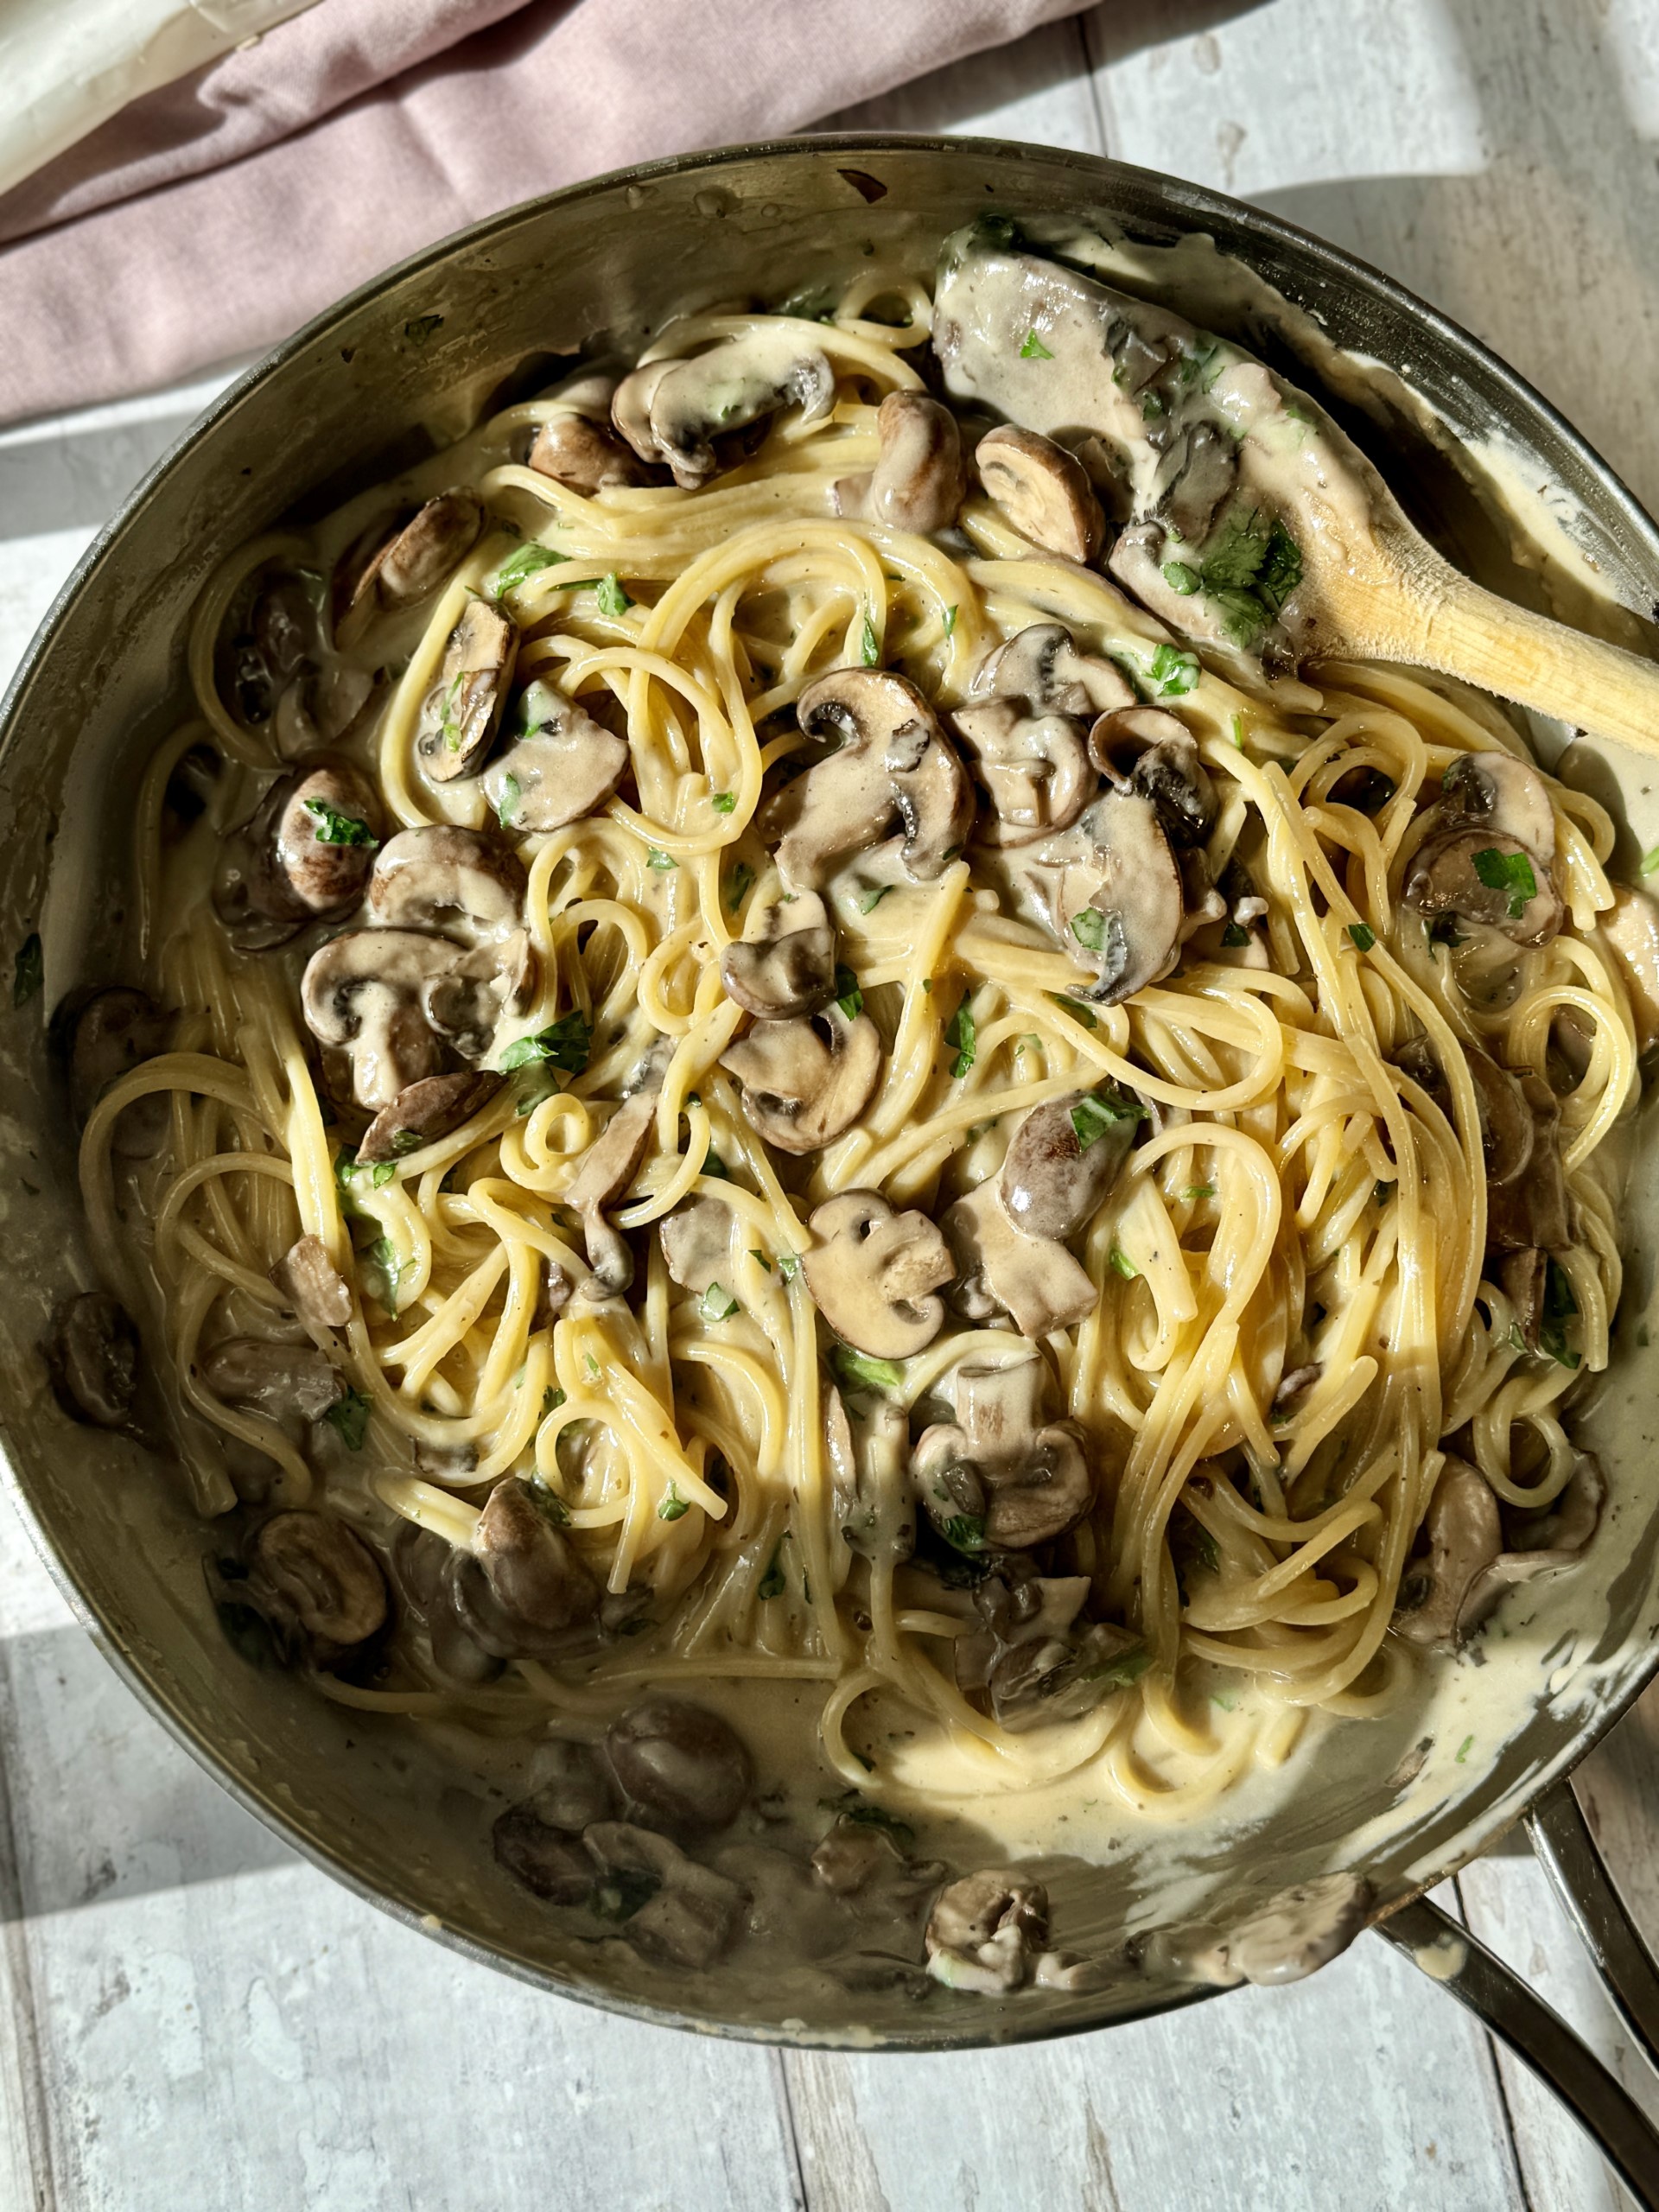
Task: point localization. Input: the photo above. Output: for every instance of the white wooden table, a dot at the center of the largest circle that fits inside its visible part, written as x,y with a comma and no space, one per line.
191,2017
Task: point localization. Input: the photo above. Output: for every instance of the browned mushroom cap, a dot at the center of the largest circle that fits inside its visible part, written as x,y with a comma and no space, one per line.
462,712
569,1786
1117,898
1630,931
366,993
1042,665
444,878
690,1913
1063,1159
1499,792
562,765
609,1165
383,570
267,657
680,1765
895,769
1001,1477
314,1287
549,1864
431,1108
984,1929
1485,876
287,1383
1464,1535
676,410
1001,1268
323,1573
1032,1663
696,1241
304,855
92,1356
1155,753
786,964
1043,490
871,1273
918,481
113,1032
1526,1181
321,707
805,1082
1035,769
875,1510
534,1571
582,451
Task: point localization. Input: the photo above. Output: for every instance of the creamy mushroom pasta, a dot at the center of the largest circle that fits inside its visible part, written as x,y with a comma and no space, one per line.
775,1052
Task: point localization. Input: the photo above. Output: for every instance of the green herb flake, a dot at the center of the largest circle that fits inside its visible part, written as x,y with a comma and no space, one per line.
672,1506
849,997
1033,349
949,621
758,1255
850,1806
1363,935
28,970
1560,1307
566,1043
1173,672
1235,729
548,1502
1650,860
1181,577
661,861
592,1366
1463,1750
717,1303
535,1084
1152,407
860,1372
961,1033
552,1399
507,806
1095,1113
869,651
1075,1007
1509,872
872,899
527,562
1235,934
334,828
771,1582
724,802
1124,1265
613,600
964,1532
349,1418
788,1265
1196,1190
1089,927
1126,1667
713,1165
1227,1699
386,1271
737,885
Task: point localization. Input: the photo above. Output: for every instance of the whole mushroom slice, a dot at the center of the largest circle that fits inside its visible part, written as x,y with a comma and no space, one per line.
679,1765
1500,791
984,1931
91,1353
323,706
918,481
322,1575
562,765
1483,875
271,653
1629,929
385,570
696,1241
1137,561
110,1033
441,877
1526,1181
1002,1477
462,712
535,1572
1063,1159
1043,490
1155,753
999,1268
872,1273
675,412
1034,1662
314,1288
578,447
1118,899
364,994
288,1384
1465,1536
431,1108
805,1082
689,1914
1043,665
303,855
874,1510
1035,769
895,770
466,1002
608,1166
785,964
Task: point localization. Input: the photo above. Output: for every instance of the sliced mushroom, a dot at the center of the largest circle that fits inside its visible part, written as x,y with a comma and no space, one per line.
984,1929
1195,475
304,855
785,964
571,1788
1056,1172
269,656
288,1384
872,1271
321,1573
91,1357
1630,931
562,765
535,1572
461,714
1035,768
549,1864
1043,665
314,1287
805,1082
365,994
918,481
431,1108
689,1913
1541,1543
676,411
999,1268
1464,1535
1485,876
696,1241
1114,895
323,706
1524,1277
875,1510
609,1165
857,1858
113,1032
1526,1179
441,877
384,571
1155,753
584,454
1506,794
1031,1664
467,1001
1288,1939
679,1765
1043,490
1001,1477
895,769
1137,561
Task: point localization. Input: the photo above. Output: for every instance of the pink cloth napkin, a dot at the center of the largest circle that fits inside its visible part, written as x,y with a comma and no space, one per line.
212,217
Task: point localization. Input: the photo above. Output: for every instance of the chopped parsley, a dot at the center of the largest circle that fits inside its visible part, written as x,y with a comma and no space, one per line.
1509,872
349,1418
717,1303
1180,577
869,651
872,899
506,807
661,861
564,1044
964,1532
960,1033
1235,933
592,1366
1650,860
613,600
1033,349
672,1506
348,1169
788,1265
525,564
1463,1750
1075,1007
1363,936
1195,1191
1172,672
950,620
334,828
1126,1667
1094,1114
1250,573
756,1253
1560,1307
851,1806
386,1271
1124,1264
28,970
849,997
860,1372
771,1582
552,1399
724,802
737,884
1089,927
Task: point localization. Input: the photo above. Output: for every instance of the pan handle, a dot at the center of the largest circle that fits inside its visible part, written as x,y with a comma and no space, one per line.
1561,1836
1448,1953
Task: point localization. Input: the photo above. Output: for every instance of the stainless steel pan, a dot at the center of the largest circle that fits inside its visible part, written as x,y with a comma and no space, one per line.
383,1808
